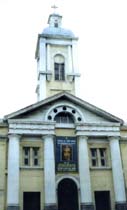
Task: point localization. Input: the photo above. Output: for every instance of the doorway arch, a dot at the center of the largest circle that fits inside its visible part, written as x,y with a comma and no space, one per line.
67,195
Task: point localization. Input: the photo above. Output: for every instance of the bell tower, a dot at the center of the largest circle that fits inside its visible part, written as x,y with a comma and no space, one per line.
56,55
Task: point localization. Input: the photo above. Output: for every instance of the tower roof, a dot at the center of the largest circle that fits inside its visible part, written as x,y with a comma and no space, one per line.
55,30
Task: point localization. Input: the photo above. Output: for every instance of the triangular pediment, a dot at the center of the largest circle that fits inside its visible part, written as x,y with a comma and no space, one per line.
38,110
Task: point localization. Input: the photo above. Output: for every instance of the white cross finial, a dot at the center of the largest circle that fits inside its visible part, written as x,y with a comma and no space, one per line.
54,7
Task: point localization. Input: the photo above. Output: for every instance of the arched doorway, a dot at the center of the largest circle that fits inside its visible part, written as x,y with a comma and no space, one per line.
67,195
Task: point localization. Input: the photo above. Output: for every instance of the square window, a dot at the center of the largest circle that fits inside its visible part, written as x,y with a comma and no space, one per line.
98,157
30,156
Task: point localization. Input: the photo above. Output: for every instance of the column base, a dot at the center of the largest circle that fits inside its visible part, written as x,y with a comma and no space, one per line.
50,207
121,206
13,207
87,206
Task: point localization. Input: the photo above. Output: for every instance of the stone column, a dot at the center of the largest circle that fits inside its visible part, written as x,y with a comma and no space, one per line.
76,67
49,173
118,178
13,173
84,174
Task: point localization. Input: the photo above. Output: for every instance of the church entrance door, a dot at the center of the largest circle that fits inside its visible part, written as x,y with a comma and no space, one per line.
31,201
67,195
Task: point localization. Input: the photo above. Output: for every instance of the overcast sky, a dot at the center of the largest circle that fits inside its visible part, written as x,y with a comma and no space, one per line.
102,30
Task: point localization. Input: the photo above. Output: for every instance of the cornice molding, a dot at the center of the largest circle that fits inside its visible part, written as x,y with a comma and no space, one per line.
31,127
98,129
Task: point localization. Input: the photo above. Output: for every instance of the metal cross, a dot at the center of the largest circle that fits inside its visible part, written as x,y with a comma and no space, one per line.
54,7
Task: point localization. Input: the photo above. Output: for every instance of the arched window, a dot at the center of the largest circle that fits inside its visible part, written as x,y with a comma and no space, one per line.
59,67
64,117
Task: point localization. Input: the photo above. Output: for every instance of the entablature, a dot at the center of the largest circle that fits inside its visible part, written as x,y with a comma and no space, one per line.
31,127
98,129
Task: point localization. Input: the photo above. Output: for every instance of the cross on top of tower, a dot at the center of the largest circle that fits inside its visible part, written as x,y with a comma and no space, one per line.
54,7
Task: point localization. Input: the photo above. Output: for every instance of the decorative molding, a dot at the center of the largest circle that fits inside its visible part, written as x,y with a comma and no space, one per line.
98,129
48,74
70,108
31,127
31,168
71,76
123,138
67,176
100,168
56,38
13,207
51,206
87,206
3,137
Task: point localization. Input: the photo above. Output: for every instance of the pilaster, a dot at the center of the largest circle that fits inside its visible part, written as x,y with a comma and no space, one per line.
84,174
48,58
70,59
118,178
13,173
75,66
42,68
49,173
42,86
75,56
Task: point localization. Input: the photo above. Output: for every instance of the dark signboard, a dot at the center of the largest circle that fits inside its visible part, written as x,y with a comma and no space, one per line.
66,154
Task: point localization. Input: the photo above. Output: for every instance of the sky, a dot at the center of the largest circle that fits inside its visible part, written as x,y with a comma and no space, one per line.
102,30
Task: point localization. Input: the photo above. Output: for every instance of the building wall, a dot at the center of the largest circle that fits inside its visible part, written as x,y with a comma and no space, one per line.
32,177
3,165
101,178
123,147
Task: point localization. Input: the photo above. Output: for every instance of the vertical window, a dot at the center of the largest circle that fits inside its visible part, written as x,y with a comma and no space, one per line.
103,156
26,156
30,156
35,156
56,25
59,68
98,157
94,158
59,71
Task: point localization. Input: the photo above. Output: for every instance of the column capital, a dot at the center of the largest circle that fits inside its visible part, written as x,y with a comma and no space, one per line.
113,138
14,135
82,136
47,136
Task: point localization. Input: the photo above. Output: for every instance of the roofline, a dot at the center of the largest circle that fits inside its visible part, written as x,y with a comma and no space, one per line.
32,106
73,98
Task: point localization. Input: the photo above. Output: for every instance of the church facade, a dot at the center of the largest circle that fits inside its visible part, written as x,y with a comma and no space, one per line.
62,153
